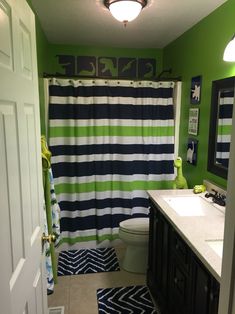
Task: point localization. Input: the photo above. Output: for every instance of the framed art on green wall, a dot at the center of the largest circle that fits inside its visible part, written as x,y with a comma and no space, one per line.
193,121
192,146
196,90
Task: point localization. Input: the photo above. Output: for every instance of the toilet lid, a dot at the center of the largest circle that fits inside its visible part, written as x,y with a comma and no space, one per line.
137,225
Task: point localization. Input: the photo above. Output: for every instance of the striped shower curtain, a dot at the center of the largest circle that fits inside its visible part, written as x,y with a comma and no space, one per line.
225,115
110,142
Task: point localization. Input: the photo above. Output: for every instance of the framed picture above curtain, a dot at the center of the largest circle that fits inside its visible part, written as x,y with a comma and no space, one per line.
193,121
195,97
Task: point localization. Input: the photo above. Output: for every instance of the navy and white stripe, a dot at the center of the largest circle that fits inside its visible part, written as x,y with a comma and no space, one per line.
110,142
132,299
87,261
226,102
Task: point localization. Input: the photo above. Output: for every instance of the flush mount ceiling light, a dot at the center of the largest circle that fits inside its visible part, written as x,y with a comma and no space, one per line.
229,52
125,10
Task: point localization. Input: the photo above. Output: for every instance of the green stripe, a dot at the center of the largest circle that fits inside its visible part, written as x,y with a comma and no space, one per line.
89,238
111,186
86,131
225,130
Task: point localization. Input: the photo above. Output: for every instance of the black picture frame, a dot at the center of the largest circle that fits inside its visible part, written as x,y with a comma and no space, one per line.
192,147
195,93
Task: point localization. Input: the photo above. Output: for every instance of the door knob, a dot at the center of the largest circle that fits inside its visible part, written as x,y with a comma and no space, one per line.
51,238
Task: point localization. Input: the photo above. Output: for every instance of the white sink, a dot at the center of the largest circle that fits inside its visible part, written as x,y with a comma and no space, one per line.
191,205
217,246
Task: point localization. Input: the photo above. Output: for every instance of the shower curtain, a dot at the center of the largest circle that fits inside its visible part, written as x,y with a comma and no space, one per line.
224,131
111,141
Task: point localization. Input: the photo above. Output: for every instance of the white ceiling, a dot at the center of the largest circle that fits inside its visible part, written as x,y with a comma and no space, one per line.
89,22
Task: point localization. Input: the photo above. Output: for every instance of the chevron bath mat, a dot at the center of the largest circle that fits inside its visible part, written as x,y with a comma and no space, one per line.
87,261
125,300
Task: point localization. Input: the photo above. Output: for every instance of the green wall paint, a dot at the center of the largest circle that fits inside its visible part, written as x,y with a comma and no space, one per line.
199,51
42,47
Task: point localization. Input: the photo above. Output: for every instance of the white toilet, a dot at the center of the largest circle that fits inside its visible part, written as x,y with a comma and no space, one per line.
134,233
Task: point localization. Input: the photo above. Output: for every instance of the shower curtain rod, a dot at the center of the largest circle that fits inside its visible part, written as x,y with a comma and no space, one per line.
156,79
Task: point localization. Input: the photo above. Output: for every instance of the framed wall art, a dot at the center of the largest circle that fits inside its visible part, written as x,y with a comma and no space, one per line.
192,146
195,97
193,121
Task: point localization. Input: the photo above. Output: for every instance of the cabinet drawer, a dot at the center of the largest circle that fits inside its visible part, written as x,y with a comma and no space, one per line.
180,250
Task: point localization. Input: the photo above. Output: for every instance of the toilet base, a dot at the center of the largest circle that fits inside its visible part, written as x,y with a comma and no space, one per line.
135,259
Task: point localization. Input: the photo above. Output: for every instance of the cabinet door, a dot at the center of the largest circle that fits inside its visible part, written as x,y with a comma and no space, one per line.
162,254
152,255
157,277
203,301
179,288
214,296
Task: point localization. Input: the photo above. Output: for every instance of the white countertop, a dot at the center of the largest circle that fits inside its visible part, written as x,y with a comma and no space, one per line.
195,230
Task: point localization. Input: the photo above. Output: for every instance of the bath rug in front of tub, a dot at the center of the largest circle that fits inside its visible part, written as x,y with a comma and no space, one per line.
124,300
87,261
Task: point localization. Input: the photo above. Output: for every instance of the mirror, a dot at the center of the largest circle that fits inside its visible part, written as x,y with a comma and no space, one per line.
222,101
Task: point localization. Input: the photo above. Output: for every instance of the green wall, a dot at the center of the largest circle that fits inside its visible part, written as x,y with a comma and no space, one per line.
199,51
42,47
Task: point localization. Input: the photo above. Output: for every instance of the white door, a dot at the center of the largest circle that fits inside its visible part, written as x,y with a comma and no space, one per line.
22,280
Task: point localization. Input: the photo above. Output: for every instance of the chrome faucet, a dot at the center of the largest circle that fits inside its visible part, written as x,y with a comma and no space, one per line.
217,198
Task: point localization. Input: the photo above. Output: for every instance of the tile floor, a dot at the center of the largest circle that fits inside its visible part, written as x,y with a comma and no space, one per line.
78,293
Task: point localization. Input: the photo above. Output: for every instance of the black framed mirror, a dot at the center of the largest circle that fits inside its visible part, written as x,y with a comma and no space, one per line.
222,103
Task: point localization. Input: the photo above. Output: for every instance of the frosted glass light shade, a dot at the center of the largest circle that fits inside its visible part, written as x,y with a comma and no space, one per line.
125,10
229,52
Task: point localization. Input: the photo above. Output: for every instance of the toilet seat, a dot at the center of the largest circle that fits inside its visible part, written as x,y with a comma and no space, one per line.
138,226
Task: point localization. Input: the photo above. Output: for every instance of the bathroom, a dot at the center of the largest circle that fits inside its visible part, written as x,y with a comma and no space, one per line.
199,51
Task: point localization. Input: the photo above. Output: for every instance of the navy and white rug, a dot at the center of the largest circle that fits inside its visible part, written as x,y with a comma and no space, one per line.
87,261
125,300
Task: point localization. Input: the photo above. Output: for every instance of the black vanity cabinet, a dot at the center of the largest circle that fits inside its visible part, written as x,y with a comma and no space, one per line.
157,272
205,290
179,275
176,278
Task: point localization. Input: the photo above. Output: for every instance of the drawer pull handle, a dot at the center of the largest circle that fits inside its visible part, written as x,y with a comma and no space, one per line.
206,289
